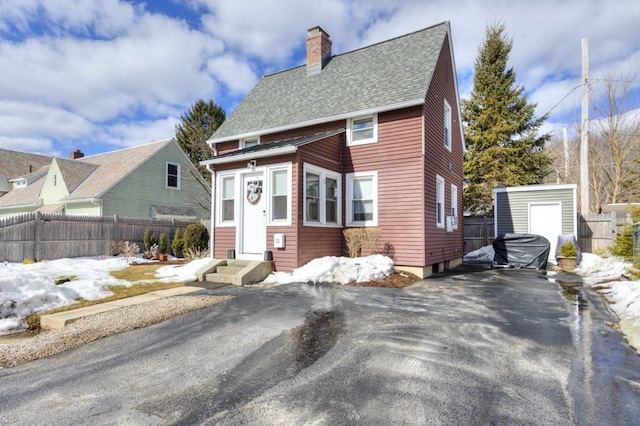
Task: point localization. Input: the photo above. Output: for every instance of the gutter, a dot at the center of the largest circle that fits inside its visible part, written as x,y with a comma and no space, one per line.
250,156
212,237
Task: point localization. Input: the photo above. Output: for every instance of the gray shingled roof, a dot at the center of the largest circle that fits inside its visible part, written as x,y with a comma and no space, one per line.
397,71
260,151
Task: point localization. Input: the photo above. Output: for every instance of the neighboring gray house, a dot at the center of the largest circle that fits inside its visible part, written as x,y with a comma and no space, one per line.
155,180
547,210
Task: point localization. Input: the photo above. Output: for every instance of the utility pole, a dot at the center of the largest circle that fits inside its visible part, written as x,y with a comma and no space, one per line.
584,134
565,140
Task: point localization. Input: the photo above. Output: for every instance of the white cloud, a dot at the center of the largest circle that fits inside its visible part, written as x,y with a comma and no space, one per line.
72,68
233,72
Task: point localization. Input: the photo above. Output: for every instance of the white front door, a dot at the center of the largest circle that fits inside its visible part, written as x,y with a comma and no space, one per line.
546,219
253,232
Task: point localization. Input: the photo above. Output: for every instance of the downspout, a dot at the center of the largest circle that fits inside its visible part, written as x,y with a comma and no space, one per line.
213,215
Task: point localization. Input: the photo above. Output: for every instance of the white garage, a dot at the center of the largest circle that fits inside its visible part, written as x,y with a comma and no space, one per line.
547,210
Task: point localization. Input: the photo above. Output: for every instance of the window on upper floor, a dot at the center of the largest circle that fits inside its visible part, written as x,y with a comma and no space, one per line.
362,130
322,195
173,176
447,125
247,143
440,201
362,199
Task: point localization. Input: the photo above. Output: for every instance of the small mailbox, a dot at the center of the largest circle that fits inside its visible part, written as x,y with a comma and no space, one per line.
279,241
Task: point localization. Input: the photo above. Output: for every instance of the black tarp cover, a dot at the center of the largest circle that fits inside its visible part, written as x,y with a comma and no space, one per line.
521,250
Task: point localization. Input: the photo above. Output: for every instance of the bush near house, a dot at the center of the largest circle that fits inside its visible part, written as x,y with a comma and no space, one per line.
623,245
196,237
177,245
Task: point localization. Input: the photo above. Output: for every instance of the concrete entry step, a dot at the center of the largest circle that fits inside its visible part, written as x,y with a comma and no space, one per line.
235,271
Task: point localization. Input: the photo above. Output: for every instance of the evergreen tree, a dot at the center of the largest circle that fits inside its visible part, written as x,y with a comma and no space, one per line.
197,125
501,130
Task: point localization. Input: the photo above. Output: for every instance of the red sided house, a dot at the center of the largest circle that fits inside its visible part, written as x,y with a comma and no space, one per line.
368,138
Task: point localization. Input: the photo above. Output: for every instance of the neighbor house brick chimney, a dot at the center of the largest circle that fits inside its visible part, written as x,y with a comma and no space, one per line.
318,50
76,154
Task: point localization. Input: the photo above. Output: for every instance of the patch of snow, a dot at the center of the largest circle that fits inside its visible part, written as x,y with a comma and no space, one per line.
341,270
483,254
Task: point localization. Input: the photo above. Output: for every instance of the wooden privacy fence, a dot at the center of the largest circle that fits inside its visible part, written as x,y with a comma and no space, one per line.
44,236
596,232
478,232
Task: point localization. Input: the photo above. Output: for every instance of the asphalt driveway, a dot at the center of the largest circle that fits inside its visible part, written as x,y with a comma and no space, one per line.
476,346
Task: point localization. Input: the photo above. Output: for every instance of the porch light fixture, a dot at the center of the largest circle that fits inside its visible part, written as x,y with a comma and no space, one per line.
251,164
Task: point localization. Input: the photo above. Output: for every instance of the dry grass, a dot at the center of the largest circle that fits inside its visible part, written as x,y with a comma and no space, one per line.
142,273
397,280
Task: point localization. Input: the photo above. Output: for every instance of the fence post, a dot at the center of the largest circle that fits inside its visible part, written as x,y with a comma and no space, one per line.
36,236
636,240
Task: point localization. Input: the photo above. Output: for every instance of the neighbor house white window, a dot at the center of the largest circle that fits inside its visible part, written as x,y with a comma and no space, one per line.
322,196
55,180
454,205
362,130
440,201
447,125
227,199
362,199
173,175
280,195
247,143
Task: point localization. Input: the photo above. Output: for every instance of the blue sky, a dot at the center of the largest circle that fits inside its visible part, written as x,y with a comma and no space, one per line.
105,74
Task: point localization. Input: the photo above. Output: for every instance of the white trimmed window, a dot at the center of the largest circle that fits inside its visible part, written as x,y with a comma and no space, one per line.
280,195
322,196
173,176
447,125
362,130
247,143
440,201
227,204
362,199
454,205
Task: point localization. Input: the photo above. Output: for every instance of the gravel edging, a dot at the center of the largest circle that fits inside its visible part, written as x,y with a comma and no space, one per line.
101,325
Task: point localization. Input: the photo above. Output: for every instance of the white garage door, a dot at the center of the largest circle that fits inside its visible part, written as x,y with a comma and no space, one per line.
546,219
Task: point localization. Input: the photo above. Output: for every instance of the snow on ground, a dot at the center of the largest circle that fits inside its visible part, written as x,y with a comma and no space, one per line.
26,289
340,270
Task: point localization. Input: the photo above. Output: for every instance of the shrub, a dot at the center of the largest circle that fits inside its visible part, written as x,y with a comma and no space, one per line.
146,238
361,241
177,245
623,246
568,249
193,253
196,237
126,249
162,243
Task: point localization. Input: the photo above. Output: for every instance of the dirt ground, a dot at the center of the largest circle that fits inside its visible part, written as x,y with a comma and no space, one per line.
399,280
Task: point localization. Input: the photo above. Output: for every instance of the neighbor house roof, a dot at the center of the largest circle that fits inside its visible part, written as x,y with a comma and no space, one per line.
25,196
111,168
384,76
15,164
74,172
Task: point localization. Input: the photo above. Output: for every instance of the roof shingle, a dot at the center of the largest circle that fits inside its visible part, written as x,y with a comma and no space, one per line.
387,74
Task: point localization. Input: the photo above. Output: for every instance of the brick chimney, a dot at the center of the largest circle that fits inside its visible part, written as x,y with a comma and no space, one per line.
318,50
76,154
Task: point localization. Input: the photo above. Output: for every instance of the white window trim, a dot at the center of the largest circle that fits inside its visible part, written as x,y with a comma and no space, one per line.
269,179
374,139
166,176
219,190
454,204
447,125
322,199
440,197
349,203
243,142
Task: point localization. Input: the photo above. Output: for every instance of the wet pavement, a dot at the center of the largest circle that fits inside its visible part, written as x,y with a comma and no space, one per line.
474,346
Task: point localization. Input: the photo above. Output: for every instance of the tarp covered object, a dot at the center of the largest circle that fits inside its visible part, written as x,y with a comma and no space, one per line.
521,250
